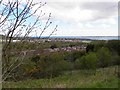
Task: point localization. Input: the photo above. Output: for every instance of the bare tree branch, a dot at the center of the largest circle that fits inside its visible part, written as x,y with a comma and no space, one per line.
13,22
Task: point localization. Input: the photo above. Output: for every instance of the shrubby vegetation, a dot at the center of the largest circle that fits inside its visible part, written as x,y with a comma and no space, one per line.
48,65
104,56
104,78
88,61
51,65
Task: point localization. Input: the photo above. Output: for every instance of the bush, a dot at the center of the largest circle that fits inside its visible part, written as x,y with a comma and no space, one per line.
115,59
105,57
114,45
53,46
35,58
98,44
89,61
51,65
72,56
90,48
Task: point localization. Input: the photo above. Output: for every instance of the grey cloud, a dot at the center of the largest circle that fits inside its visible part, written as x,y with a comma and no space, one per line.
103,9
63,5
100,5
119,8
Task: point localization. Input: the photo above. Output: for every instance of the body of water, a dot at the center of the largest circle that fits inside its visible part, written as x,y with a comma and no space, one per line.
90,37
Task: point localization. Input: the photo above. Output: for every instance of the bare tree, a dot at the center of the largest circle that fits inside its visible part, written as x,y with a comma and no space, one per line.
19,19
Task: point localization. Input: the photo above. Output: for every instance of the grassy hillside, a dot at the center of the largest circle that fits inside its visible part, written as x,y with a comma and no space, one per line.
104,78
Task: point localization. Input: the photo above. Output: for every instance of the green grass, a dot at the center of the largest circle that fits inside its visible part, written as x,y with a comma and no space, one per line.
104,78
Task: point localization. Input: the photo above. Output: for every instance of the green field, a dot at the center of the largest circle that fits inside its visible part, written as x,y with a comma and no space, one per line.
104,78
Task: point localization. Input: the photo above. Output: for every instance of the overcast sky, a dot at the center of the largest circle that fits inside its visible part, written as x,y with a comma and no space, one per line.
78,18
88,18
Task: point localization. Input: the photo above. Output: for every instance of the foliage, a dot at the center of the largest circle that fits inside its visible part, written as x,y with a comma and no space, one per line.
115,59
89,61
53,46
90,48
104,78
114,45
35,58
104,56
50,65
72,56
98,44
54,64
